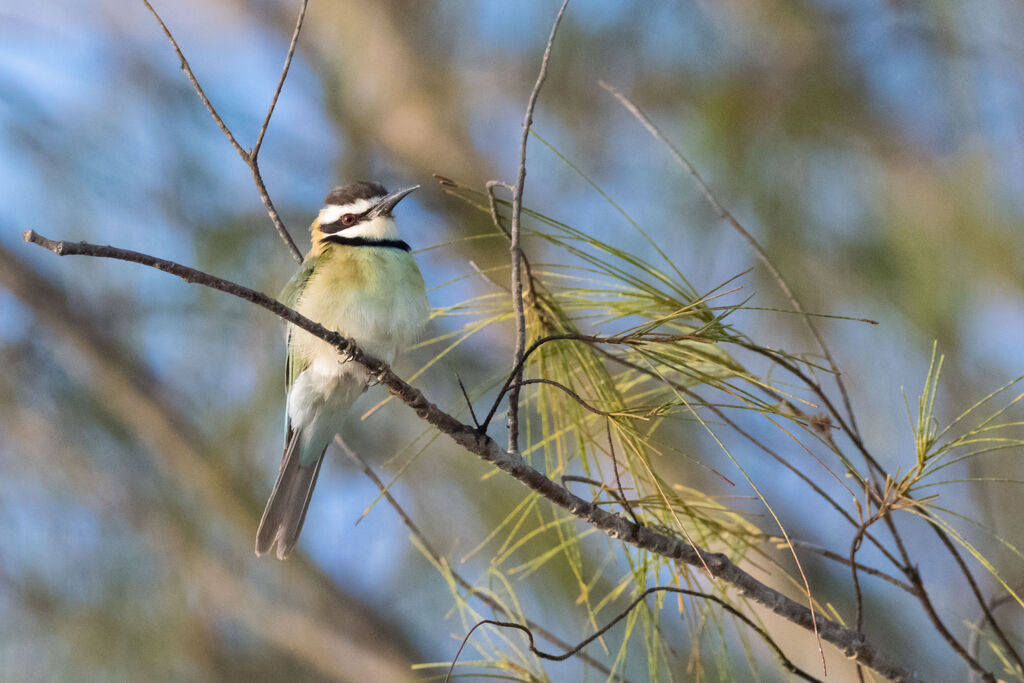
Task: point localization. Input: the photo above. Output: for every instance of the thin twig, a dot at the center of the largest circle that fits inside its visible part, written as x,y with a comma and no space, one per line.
440,561
572,394
514,246
855,545
492,204
965,570
907,566
727,216
275,218
615,469
850,642
783,659
836,557
975,638
910,570
570,336
249,157
617,495
469,403
255,152
195,84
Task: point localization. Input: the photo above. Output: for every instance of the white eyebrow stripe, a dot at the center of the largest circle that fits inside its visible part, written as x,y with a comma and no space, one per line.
332,212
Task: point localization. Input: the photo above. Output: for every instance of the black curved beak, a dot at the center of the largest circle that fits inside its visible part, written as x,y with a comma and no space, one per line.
386,205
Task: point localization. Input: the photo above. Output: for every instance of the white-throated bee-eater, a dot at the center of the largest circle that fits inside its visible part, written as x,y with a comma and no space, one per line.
360,279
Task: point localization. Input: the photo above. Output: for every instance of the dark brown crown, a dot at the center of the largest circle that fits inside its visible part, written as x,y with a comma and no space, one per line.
341,196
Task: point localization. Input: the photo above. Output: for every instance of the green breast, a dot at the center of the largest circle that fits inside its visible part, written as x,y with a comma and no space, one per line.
373,294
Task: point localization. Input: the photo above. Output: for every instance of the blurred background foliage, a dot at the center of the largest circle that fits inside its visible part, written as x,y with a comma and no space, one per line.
876,149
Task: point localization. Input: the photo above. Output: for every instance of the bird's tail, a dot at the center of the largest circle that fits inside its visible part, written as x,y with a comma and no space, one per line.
286,509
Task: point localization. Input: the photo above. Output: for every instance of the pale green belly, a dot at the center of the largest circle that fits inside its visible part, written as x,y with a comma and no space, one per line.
373,295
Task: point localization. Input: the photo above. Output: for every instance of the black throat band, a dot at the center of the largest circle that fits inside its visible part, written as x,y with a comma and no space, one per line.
364,242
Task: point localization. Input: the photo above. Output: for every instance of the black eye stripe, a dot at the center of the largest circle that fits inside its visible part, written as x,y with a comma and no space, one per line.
339,225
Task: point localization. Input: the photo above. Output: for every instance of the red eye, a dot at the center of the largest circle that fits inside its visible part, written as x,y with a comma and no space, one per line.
349,219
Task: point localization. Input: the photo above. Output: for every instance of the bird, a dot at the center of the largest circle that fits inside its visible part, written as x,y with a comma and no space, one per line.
360,280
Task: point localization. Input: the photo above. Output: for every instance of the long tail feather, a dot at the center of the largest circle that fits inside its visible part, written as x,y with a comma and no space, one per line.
286,509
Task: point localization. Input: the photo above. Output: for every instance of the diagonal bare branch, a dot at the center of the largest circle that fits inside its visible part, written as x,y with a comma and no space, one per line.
852,643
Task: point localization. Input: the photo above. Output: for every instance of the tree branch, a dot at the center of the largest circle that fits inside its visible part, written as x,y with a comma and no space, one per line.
514,233
852,643
249,157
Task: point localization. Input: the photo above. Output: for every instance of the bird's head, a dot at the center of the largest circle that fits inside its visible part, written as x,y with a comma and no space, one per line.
360,210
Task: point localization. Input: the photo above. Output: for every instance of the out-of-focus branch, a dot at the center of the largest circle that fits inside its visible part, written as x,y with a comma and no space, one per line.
295,631
301,635
852,643
381,89
138,400
440,560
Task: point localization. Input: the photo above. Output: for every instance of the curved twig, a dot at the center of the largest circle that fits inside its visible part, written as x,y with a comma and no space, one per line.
572,394
783,659
569,336
858,596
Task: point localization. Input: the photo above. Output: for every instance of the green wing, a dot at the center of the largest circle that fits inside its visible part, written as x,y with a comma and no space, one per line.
290,297
293,364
